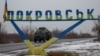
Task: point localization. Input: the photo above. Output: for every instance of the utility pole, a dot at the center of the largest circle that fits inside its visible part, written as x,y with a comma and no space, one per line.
98,27
30,29
0,27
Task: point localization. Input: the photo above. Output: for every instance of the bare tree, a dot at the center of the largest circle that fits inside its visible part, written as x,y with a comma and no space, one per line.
96,28
2,33
0,27
55,32
28,32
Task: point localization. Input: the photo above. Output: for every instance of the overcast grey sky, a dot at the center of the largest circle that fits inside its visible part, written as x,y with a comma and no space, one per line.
52,5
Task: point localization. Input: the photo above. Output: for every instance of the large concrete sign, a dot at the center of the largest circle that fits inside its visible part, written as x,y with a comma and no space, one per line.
47,10
50,10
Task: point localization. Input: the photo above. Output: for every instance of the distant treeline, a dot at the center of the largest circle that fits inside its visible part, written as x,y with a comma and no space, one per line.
72,35
15,38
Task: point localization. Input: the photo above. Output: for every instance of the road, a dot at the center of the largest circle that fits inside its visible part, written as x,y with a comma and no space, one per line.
4,48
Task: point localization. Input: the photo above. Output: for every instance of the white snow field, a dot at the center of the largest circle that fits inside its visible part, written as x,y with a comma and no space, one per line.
82,47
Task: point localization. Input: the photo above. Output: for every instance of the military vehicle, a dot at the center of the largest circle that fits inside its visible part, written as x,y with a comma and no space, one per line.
42,34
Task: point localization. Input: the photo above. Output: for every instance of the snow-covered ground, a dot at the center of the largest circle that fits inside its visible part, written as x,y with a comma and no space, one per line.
83,48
